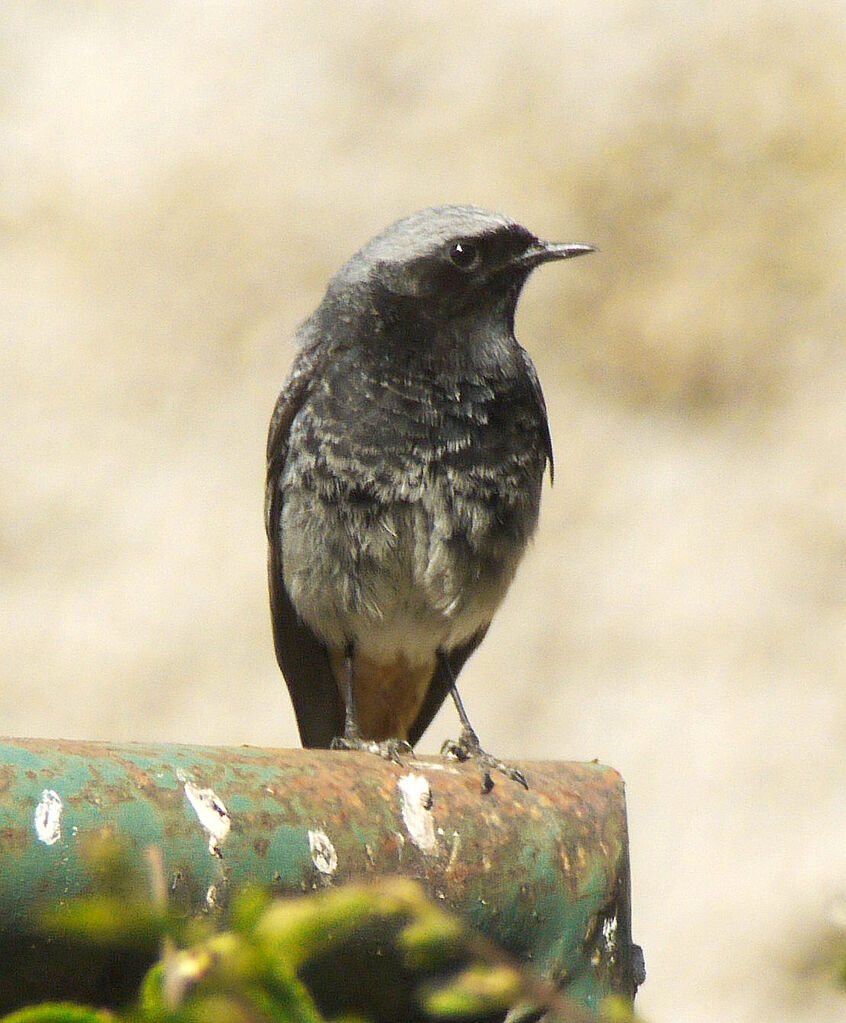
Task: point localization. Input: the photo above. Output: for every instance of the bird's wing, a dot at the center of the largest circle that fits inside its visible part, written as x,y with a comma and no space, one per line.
301,656
441,683
537,393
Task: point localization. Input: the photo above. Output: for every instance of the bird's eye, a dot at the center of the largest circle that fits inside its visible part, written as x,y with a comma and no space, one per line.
464,255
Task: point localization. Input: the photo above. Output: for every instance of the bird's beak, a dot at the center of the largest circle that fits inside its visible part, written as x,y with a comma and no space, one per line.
545,252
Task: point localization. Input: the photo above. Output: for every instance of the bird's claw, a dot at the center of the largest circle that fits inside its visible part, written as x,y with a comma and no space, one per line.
467,747
388,749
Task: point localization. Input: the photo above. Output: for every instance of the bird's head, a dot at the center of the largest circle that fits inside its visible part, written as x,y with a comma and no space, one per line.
450,261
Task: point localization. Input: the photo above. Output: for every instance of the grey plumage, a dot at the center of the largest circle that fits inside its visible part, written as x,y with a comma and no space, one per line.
405,462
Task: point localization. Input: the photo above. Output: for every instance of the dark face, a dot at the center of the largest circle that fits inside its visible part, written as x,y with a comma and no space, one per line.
476,271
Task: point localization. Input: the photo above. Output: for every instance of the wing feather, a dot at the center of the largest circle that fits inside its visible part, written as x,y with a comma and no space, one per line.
302,657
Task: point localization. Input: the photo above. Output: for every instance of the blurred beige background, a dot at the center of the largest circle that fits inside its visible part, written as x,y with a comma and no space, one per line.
177,182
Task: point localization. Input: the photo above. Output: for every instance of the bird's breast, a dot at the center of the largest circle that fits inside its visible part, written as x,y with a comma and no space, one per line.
407,504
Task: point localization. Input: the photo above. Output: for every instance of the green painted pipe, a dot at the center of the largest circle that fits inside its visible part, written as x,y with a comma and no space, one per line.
544,872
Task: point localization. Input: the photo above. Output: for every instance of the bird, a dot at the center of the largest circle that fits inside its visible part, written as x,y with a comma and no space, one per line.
405,460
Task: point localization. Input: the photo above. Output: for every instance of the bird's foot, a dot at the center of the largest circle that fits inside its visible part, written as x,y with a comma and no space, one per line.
467,747
388,749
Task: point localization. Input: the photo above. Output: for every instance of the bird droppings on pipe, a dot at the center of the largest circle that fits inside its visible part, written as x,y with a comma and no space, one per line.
48,817
212,815
323,854
455,848
416,803
431,766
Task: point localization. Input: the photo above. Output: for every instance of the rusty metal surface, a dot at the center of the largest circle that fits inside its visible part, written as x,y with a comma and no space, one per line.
544,873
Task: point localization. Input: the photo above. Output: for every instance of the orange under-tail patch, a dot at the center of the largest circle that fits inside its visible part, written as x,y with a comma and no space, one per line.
388,696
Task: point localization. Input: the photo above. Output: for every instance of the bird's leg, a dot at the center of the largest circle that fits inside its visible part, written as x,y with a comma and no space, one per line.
352,732
352,738
468,747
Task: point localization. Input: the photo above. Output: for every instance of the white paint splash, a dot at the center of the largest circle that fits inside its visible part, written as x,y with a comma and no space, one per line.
453,852
48,817
431,765
323,854
211,813
416,798
609,932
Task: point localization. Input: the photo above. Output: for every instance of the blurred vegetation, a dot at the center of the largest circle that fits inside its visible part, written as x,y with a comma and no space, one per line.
361,953
378,952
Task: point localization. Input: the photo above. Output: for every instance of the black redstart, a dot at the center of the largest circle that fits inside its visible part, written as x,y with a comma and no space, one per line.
404,468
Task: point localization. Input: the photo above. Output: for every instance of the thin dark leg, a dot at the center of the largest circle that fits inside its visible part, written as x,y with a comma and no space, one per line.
468,746
352,732
466,727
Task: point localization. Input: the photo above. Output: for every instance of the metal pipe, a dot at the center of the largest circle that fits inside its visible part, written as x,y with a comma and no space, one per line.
544,873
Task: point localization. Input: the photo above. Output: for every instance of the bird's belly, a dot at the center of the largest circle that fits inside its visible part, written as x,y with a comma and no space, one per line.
412,626
395,639
397,580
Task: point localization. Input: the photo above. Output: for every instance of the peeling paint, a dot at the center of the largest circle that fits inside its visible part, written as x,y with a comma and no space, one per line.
323,854
606,948
609,931
432,766
453,853
48,817
400,844
416,797
211,813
